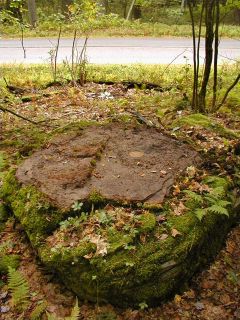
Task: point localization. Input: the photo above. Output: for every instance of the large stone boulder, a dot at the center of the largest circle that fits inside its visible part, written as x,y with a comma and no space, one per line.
96,206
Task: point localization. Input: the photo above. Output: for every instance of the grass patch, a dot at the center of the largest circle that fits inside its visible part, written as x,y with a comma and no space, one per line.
119,29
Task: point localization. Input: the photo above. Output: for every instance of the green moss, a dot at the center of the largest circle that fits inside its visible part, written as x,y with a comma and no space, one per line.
148,222
31,207
206,122
95,197
9,261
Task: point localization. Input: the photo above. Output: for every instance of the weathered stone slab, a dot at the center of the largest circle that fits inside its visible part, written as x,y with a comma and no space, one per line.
116,162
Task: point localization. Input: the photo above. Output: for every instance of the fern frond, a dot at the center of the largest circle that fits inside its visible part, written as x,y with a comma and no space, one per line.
194,196
218,192
75,312
200,213
215,181
218,209
224,203
19,288
38,311
211,200
50,316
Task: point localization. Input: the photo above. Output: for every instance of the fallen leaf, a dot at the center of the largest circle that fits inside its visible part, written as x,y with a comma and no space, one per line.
176,190
191,171
199,305
101,244
164,236
177,299
175,233
160,219
224,298
88,256
178,210
163,172
136,154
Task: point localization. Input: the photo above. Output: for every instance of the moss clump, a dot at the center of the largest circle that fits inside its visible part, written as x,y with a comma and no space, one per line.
148,222
95,197
206,122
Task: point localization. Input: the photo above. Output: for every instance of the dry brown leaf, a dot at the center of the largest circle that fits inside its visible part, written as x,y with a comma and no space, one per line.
101,244
179,210
136,154
175,233
89,256
164,236
177,299
176,190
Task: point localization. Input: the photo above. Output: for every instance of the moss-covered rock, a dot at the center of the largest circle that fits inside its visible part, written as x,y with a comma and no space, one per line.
31,208
125,254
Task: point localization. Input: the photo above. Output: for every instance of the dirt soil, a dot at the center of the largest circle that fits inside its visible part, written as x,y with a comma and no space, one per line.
121,163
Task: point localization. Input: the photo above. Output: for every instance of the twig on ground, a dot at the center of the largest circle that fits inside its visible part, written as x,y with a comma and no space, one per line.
3,109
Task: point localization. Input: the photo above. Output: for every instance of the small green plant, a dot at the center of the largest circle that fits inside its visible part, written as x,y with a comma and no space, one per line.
19,289
77,206
213,201
143,305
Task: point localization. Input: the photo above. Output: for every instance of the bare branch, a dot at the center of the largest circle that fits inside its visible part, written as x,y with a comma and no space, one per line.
3,109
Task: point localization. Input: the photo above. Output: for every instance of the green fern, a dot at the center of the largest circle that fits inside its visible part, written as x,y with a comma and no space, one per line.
74,314
218,192
218,209
19,289
197,198
200,213
38,311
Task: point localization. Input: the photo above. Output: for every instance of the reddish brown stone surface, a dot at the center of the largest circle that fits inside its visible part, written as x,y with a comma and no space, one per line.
121,163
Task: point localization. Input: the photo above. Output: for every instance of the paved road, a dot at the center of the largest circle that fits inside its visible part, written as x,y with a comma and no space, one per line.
115,50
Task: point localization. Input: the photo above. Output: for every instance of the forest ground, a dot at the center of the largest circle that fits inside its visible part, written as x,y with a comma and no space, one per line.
212,294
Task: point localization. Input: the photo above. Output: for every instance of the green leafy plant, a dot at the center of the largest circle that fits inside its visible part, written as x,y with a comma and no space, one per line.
77,206
212,202
19,289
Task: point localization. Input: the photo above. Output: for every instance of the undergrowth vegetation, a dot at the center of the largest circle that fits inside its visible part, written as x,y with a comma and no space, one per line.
161,22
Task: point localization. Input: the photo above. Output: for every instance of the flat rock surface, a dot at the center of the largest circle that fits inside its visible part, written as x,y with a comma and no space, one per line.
120,162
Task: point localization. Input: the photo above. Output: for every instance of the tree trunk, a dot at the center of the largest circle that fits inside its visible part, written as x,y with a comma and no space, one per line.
209,22
130,9
183,5
32,13
216,45
137,12
106,6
